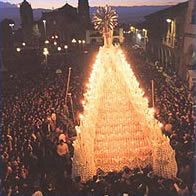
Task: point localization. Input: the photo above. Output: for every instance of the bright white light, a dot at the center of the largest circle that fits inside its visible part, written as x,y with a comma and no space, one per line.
73,41
18,49
79,41
66,46
45,52
46,42
56,36
83,41
169,20
59,48
44,21
139,36
23,43
55,43
11,25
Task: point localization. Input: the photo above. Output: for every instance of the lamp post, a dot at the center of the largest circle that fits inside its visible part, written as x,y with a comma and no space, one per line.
12,26
83,43
46,53
44,21
66,48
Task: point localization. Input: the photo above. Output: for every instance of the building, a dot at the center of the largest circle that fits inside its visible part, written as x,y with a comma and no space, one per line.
26,15
165,36
95,38
65,23
29,27
189,39
168,37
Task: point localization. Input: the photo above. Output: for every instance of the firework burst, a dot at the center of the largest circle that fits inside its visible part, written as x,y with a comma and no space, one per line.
105,19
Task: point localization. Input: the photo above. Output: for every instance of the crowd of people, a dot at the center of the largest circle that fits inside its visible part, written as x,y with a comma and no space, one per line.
38,133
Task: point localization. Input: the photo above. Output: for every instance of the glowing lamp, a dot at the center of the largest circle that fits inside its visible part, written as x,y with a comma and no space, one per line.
139,36
18,49
169,20
74,41
59,48
55,43
82,102
23,43
81,116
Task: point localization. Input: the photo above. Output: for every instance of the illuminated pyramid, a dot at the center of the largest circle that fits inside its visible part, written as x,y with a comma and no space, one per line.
117,128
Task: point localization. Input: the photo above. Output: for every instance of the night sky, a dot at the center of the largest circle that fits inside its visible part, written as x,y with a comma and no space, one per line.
58,3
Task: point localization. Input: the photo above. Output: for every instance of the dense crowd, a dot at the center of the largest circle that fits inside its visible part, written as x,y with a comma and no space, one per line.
38,132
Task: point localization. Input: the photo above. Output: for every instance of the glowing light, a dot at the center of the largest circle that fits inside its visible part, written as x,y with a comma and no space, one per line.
139,36
79,41
169,20
56,36
55,43
46,42
161,125
105,17
23,43
59,48
81,116
82,102
45,51
66,46
74,41
18,49
114,103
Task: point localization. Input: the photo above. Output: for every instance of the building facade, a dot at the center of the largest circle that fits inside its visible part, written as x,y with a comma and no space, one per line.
95,38
165,36
66,23
189,41
26,15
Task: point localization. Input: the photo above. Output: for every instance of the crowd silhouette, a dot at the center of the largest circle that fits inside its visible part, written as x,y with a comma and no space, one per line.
38,132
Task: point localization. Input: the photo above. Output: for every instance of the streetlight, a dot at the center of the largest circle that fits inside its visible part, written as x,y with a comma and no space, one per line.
59,49
18,49
24,44
46,42
44,21
74,41
66,47
55,43
46,53
168,20
56,36
12,27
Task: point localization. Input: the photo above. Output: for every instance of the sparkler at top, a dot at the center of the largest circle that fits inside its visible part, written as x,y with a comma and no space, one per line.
105,20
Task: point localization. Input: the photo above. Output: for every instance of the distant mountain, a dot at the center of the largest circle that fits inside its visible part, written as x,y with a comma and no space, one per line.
7,5
129,15
133,14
